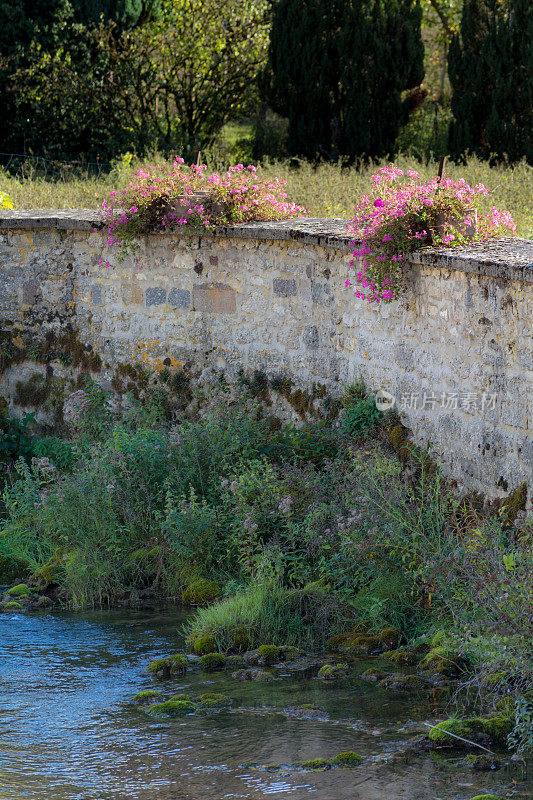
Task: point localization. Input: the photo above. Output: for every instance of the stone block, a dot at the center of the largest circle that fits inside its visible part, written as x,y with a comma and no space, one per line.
156,296
311,337
179,298
284,287
96,295
30,292
214,298
132,294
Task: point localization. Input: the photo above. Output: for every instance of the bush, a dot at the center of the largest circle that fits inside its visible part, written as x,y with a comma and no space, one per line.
268,613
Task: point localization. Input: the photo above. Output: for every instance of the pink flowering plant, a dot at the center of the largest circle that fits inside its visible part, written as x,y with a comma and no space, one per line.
190,199
402,214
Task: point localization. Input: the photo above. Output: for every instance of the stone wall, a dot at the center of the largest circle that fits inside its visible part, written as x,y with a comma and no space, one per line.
456,352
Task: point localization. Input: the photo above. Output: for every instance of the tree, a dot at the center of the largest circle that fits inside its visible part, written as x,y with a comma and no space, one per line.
171,82
126,14
491,72
382,55
304,74
338,71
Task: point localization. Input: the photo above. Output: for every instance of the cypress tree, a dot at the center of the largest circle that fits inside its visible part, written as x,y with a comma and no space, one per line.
382,55
338,72
304,73
491,72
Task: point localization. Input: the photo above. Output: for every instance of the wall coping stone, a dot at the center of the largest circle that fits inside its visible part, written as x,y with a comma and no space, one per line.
507,258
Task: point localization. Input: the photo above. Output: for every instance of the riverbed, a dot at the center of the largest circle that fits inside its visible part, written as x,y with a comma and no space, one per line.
70,731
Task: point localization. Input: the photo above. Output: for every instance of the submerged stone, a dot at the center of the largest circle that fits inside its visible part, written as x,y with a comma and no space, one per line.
373,674
214,700
269,654
252,675
484,762
315,763
402,657
148,694
169,666
347,759
211,662
332,672
404,683
172,708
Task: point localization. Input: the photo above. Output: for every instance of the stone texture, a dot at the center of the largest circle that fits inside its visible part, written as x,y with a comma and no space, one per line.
156,297
214,298
179,298
456,351
284,287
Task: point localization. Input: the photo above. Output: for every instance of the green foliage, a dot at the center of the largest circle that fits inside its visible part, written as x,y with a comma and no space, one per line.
361,417
200,593
491,72
338,71
267,613
521,737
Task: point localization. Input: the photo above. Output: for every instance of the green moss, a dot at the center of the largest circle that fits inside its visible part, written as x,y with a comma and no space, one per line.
203,644
445,662
315,763
401,657
270,654
13,605
438,639
172,708
11,569
332,672
20,590
214,700
498,727
165,667
514,503
212,662
148,694
373,674
347,759
390,638
201,593
468,728
400,443
486,797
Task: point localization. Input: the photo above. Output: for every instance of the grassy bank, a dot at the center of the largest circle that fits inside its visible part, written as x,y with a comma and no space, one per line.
279,535
327,190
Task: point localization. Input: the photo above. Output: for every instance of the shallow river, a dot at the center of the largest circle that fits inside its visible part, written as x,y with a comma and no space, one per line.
68,729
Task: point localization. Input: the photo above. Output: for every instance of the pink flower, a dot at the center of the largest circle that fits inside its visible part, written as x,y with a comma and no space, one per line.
379,203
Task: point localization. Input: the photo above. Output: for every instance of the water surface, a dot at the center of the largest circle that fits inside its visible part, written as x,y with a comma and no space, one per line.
69,731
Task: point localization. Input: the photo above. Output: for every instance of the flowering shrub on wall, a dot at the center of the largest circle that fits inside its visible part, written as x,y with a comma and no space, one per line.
188,198
402,214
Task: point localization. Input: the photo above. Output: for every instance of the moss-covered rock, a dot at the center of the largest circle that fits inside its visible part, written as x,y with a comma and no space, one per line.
402,657
147,695
201,593
347,759
269,654
12,605
172,708
486,797
445,662
315,763
482,762
290,653
252,675
214,700
169,666
498,727
202,645
373,674
20,590
445,734
211,662
404,683
333,672
390,638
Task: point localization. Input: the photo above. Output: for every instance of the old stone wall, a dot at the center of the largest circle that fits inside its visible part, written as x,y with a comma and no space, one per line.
456,352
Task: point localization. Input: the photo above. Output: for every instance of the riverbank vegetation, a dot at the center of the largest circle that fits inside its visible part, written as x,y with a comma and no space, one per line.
277,534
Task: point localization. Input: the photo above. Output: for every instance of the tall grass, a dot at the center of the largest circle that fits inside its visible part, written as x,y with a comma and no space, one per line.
326,190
